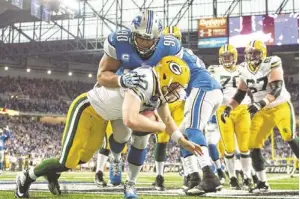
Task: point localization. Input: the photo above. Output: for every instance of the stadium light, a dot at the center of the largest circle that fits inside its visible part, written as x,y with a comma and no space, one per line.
49,72
90,75
70,73
5,68
28,70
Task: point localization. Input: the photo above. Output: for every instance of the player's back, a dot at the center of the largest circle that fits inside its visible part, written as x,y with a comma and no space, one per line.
108,102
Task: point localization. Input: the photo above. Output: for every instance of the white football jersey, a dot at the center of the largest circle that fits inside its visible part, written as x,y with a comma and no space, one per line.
228,80
257,80
108,102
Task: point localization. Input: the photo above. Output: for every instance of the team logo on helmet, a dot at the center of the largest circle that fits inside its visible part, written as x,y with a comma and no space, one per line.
137,21
175,68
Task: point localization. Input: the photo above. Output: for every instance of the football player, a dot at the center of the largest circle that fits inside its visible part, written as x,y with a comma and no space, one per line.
272,107
238,124
88,115
126,50
143,44
162,139
5,135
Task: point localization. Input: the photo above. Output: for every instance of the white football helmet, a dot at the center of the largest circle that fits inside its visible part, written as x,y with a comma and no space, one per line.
147,27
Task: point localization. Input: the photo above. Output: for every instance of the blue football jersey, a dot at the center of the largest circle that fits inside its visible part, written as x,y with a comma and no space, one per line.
119,46
200,77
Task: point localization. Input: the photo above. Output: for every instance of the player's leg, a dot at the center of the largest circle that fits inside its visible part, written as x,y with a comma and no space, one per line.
262,125
136,158
286,123
242,123
102,158
212,135
117,141
162,140
201,106
76,147
227,137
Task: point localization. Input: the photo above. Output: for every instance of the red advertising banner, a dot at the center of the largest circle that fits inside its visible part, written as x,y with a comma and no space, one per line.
212,27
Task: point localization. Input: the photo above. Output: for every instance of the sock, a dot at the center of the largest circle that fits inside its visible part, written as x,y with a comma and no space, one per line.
204,160
185,173
246,164
31,174
253,173
159,168
229,160
237,163
262,175
294,144
133,172
213,152
47,166
1,166
101,160
191,164
218,164
116,147
136,158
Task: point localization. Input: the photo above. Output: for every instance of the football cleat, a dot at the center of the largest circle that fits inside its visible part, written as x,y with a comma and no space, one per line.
194,180
247,184
221,175
234,183
53,184
129,190
115,172
23,182
159,183
99,179
209,183
255,179
261,187
186,180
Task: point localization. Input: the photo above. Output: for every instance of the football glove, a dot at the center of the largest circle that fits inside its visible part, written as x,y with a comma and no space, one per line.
130,79
226,113
255,107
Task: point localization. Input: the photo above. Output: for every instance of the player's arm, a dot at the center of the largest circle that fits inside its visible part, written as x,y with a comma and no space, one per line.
173,131
239,96
132,117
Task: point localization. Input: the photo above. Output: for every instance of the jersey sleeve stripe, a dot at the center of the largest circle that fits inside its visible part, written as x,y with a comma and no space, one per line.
110,49
275,64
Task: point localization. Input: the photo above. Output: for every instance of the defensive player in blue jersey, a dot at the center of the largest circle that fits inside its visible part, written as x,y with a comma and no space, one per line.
127,50
143,44
5,135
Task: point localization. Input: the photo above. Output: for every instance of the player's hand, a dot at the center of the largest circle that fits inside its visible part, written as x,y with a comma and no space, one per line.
254,108
190,146
226,113
130,80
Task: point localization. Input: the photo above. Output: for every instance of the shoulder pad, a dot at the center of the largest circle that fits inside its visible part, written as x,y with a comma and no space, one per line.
110,45
275,62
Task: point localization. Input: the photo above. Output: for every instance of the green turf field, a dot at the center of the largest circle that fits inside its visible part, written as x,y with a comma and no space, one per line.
172,181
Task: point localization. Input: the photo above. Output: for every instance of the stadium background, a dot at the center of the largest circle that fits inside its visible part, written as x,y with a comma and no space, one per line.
50,50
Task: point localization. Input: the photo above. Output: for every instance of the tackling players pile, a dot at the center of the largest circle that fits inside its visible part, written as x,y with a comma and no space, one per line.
144,70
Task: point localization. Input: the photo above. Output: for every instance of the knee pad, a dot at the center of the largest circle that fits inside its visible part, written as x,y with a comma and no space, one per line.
257,160
213,152
140,142
115,146
196,135
160,152
136,156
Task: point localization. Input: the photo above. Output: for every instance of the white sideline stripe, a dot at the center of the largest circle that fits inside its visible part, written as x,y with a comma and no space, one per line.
71,129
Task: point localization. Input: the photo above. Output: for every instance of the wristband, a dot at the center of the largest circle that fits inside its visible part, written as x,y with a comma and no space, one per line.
264,102
176,135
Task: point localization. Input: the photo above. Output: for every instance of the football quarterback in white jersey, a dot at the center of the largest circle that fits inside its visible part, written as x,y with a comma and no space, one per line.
272,107
238,123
